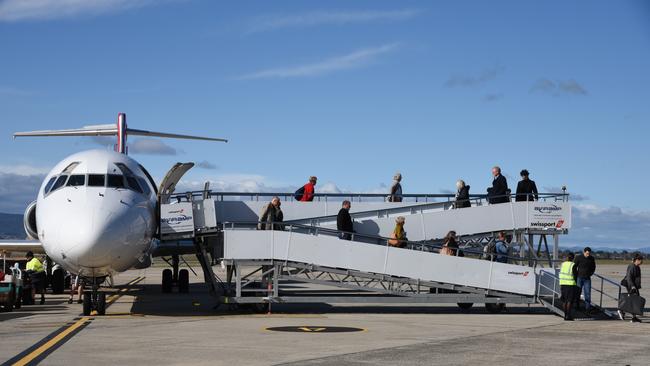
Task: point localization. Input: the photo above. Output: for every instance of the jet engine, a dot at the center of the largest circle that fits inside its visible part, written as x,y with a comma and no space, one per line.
29,221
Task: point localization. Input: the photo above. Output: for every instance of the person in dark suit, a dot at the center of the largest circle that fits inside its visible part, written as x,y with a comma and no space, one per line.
462,195
344,221
526,188
499,192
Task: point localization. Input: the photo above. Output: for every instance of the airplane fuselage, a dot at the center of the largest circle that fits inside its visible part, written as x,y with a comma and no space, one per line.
96,213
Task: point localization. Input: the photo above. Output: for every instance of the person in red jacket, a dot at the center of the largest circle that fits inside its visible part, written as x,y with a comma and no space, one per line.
308,194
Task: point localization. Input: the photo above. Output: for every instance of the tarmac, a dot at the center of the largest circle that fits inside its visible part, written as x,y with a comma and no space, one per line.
144,326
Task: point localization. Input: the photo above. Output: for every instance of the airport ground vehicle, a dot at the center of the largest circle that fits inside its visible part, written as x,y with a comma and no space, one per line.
11,290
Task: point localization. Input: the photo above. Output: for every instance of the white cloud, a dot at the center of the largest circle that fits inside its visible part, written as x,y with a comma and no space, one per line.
144,146
352,60
150,147
609,227
18,190
574,197
276,21
18,10
24,169
329,187
234,183
206,165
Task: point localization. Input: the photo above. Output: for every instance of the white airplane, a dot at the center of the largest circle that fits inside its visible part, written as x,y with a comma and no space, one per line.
96,213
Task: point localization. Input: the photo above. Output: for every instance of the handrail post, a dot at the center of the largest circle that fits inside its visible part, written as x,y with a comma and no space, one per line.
554,287
602,283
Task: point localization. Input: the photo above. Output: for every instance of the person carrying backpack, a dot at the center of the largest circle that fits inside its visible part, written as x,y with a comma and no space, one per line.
490,251
306,192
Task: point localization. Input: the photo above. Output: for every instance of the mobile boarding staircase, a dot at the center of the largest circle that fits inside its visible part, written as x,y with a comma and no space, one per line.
267,266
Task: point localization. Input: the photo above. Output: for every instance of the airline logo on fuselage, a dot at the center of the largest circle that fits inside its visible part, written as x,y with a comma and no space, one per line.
176,219
180,217
523,274
547,209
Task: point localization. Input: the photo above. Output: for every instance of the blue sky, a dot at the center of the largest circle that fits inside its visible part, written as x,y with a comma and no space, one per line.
348,91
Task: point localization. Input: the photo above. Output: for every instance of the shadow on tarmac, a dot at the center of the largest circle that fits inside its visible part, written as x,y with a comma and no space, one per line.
149,300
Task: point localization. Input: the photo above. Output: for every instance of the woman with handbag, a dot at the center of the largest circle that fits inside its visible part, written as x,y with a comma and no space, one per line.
632,282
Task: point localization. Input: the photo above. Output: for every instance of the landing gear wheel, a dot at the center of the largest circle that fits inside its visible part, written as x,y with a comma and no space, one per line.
183,281
58,281
465,305
494,308
87,304
101,303
167,280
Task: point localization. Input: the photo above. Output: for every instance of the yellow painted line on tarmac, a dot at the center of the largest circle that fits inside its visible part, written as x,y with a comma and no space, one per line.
52,342
67,331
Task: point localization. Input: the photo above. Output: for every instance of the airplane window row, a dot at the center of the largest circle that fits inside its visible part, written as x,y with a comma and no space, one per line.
98,180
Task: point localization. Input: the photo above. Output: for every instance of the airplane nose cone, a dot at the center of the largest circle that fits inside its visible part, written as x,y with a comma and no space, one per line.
93,237
106,234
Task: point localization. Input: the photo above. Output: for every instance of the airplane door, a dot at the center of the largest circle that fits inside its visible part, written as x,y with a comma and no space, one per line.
168,184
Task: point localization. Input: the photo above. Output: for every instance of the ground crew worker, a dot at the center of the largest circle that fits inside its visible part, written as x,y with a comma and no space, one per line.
37,273
568,285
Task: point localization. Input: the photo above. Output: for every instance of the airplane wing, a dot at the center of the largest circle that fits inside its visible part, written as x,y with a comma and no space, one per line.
21,246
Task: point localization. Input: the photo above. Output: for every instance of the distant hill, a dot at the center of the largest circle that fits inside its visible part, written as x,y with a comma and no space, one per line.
11,226
609,249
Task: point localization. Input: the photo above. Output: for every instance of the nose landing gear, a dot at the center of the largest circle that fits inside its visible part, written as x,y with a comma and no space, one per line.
174,276
95,299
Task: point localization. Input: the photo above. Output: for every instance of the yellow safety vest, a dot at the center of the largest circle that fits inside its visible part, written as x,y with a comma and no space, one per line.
34,265
566,274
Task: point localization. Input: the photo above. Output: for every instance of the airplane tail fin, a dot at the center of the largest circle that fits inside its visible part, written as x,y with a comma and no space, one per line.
120,130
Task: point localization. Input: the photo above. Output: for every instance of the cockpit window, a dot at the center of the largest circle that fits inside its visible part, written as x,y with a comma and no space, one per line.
48,186
76,180
59,182
145,186
96,180
146,173
125,169
115,181
70,168
133,183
